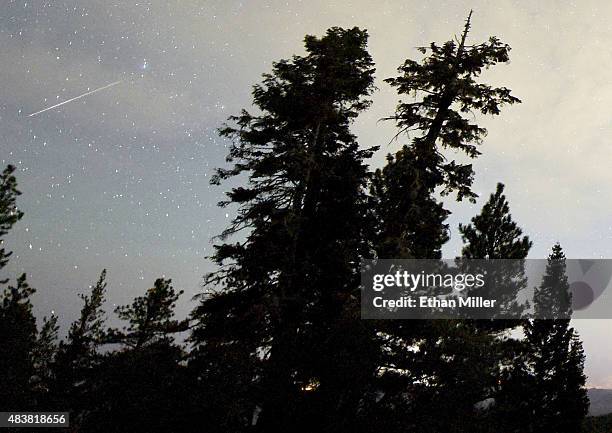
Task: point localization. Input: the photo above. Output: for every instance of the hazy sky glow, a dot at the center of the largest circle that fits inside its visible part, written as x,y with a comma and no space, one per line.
119,179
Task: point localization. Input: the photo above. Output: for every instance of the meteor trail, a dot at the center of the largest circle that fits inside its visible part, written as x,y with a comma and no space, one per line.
75,98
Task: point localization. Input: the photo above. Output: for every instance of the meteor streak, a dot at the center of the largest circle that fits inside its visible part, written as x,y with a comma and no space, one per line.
75,98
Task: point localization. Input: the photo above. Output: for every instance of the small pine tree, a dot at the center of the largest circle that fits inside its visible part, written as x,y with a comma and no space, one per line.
492,235
79,355
150,318
555,394
44,357
142,385
87,333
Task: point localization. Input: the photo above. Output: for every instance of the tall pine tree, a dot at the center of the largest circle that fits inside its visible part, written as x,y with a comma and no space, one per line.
444,97
288,306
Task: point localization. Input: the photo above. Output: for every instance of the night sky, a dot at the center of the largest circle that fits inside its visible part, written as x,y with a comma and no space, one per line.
119,179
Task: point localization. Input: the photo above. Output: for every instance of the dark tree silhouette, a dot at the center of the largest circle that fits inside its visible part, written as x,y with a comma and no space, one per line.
491,235
289,304
18,330
446,96
142,386
17,323
276,341
44,357
9,212
79,355
150,318
421,358
555,398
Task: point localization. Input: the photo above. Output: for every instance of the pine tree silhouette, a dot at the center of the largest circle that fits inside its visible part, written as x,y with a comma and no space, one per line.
289,305
445,96
142,384
555,395
492,235
17,322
